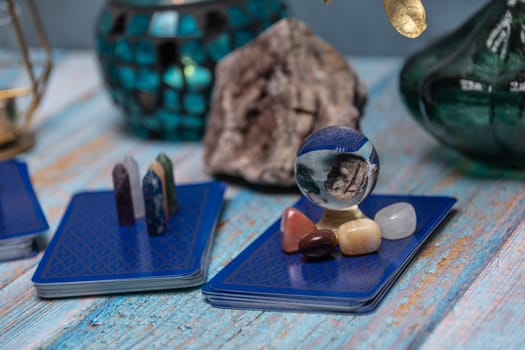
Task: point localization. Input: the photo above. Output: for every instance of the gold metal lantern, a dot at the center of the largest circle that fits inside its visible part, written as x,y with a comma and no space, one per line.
15,133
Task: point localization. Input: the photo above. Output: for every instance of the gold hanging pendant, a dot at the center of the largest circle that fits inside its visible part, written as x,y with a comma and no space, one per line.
408,17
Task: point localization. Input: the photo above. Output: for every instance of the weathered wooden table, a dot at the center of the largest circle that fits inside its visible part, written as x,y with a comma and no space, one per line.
465,289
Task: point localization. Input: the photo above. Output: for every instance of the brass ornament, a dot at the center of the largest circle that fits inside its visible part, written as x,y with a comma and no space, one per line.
408,17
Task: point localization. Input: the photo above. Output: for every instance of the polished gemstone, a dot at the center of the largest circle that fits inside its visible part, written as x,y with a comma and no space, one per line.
397,221
319,244
157,168
153,199
294,226
167,165
123,200
137,196
357,237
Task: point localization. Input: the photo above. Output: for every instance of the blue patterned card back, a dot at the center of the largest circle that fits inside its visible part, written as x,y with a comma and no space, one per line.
89,246
20,213
263,269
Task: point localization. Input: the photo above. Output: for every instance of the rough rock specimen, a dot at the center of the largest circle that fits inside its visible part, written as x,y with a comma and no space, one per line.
272,93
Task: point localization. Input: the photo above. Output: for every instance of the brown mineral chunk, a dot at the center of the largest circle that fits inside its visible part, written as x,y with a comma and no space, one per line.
271,94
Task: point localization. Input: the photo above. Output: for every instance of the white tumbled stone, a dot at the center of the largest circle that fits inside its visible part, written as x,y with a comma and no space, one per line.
397,221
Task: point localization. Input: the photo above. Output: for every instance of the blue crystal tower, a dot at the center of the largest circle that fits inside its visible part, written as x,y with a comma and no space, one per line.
153,200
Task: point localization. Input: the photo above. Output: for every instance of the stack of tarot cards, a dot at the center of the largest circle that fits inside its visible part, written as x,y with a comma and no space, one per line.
91,254
22,223
264,277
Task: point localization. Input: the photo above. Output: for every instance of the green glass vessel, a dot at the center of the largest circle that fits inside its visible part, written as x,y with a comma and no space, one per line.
468,88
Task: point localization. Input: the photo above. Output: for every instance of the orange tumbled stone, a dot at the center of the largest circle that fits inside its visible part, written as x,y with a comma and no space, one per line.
294,226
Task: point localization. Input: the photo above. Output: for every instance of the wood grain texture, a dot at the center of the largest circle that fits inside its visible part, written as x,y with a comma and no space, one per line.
492,309
466,283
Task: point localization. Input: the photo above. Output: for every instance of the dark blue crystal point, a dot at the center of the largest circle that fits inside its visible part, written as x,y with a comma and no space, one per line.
153,200
123,200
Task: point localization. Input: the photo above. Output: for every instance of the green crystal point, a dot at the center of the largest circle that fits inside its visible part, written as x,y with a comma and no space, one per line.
167,165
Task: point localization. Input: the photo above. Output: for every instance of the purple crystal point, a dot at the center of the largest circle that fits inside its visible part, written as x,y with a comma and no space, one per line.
154,203
123,199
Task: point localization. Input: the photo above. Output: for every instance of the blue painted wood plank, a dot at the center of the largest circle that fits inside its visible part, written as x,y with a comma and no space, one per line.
492,310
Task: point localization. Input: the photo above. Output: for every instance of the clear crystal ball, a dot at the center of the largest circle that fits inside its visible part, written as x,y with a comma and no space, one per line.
336,167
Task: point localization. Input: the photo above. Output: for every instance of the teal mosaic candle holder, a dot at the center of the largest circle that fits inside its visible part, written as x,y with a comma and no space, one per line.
158,57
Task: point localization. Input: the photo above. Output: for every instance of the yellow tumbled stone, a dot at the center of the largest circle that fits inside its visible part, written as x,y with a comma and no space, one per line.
358,237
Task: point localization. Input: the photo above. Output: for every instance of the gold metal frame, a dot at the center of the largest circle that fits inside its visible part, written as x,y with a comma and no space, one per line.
38,84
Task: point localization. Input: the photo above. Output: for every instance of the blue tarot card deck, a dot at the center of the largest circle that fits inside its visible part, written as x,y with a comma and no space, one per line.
90,254
22,221
264,277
